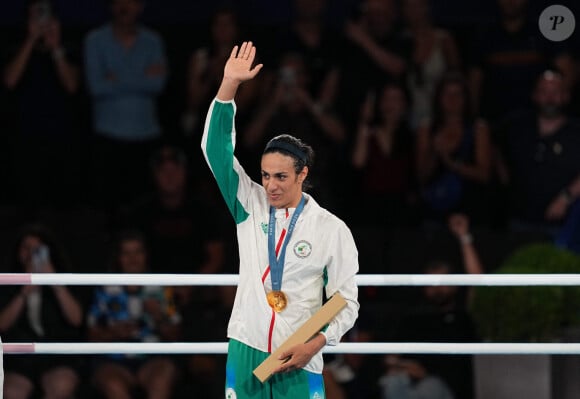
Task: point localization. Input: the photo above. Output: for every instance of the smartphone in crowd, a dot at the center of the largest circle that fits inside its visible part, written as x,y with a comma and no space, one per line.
43,13
40,257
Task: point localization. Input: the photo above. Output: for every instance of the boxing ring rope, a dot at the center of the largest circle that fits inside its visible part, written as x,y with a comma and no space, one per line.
232,279
90,279
372,348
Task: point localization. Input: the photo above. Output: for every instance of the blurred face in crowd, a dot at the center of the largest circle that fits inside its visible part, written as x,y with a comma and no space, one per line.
132,256
27,246
170,177
416,12
37,10
440,295
512,8
550,95
280,180
309,8
224,29
393,104
379,16
126,12
452,99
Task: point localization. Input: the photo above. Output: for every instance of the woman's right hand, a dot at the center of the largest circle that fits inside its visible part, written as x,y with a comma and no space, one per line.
238,67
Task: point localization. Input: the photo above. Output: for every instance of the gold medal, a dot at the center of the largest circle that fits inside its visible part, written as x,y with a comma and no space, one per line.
277,300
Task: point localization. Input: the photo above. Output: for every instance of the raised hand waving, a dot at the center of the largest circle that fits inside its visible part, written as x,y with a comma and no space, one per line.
238,69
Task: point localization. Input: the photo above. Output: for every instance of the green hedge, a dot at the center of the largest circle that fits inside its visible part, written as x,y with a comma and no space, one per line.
529,314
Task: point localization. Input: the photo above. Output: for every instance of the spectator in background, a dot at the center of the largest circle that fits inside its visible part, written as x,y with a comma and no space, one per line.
377,54
453,157
442,317
203,75
290,107
184,233
40,314
510,53
42,76
434,52
383,156
126,71
354,375
543,166
133,314
318,43
204,72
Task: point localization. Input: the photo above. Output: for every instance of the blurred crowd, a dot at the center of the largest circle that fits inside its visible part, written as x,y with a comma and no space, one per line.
431,142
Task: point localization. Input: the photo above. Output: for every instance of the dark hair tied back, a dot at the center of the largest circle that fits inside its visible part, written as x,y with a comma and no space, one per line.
291,146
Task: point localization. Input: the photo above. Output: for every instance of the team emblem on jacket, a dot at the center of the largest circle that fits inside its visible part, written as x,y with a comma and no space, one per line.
302,249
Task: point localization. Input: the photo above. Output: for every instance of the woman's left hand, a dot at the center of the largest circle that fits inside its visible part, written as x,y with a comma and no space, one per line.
299,355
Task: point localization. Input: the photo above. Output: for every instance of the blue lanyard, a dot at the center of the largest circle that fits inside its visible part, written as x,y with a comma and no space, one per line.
277,264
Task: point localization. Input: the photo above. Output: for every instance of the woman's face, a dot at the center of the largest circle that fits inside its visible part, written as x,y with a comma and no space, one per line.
132,256
393,104
379,16
126,12
452,99
416,12
27,246
283,186
170,178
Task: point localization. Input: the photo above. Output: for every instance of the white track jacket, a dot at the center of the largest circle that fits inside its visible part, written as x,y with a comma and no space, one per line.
321,253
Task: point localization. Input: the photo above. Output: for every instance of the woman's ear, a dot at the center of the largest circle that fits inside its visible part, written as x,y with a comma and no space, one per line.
302,176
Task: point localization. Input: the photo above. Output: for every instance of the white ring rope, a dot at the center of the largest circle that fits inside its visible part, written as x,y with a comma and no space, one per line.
90,279
232,279
345,347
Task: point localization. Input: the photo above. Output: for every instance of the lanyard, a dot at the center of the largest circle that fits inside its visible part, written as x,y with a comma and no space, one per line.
277,264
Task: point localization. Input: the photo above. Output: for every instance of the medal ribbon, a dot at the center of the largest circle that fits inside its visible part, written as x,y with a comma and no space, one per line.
277,263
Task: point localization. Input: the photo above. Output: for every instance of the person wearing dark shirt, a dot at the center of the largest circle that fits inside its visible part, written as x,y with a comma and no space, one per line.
543,167
41,76
318,43
383,156
511,53
32,313
182,230
377,53
186,235
453,157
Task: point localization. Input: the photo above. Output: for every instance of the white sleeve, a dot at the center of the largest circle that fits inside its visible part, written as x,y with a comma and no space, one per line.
341,271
